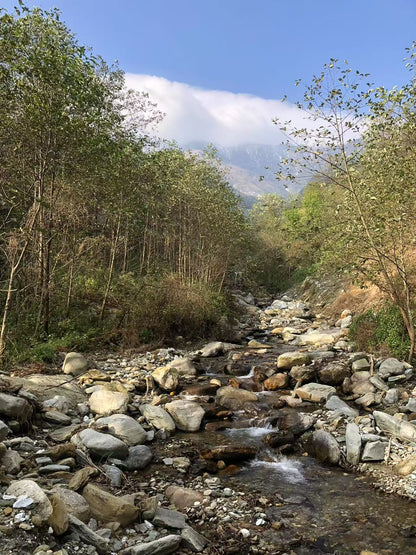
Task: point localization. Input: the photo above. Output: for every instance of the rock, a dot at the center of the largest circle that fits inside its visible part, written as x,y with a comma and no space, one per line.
378,383
65,433
315,392
277,381
114,474
74,503
366,400
395,426
52,468
29,488
253,344
390,367
183,498
333,373
169,519
87,535
374,451
361,364
59,402
345,322
319,338
45,386
103,445
193,540
406,467
411,405
353,443
109,508
106,402
167,378
15,407
158,417
162,546
187,415
338,405
59,519
81,477
325,447
359,383
56,417
392,396
184,367
11,462
124,427
302,374
217,348
4,430
229,453
293,358
296,422
139,457
234,398
75,364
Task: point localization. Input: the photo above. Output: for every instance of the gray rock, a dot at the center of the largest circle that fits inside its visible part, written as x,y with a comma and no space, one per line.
390,367
302,373
11,462
74,503
4,430
315,392
139,457
124,427
162,546
29,488
374,451
186,414
75,364
360,364
59,402
411,405
353,443
193,540
395,426
51,468
217,348
325,447
184,367
87,535
158,417
56,417
392,396
169,519
114,474
293,358
378,383
338,405
103,445
15,407
359,383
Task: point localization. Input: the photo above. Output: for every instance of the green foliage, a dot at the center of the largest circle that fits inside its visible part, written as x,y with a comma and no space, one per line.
381,332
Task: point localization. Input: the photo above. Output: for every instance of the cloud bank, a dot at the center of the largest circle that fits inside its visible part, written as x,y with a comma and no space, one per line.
210,116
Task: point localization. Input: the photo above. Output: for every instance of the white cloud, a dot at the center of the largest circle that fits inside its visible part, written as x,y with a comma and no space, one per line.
220,117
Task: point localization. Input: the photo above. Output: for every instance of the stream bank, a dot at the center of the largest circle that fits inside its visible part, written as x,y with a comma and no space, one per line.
210,451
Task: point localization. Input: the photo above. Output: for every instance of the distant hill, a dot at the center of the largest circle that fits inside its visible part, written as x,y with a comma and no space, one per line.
247,163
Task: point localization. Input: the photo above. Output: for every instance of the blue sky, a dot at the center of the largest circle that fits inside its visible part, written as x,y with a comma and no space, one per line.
254,47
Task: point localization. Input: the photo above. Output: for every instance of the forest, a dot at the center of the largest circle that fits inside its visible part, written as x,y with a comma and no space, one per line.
110,236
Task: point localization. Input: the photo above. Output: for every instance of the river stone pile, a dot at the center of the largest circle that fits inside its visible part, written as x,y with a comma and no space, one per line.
100,456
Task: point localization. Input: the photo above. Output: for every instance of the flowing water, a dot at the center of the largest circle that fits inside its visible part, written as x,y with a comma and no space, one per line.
322,510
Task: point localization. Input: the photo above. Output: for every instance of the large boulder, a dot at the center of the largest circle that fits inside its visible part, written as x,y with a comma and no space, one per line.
319,338
75,504
340,407
106,402
102,445
30,489
315,392
277,381
333,373
124,427
375,451
186,414
359,383
184,367
399,428
217,348
75,364
390,367
293,358
162,546
45,386
167,378
15,407
324,447
139,457
106,507
234,398
158,417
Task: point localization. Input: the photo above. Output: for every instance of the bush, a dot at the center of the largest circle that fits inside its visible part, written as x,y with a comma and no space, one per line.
382,332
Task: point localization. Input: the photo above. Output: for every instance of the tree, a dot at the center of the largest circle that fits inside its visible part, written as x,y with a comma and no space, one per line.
362,141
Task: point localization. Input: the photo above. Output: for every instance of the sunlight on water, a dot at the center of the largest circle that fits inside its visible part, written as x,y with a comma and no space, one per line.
249,432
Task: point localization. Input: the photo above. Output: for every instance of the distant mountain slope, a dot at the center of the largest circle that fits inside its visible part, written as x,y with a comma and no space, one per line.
248,162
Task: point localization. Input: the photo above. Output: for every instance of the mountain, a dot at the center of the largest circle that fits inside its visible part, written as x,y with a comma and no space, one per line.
252,167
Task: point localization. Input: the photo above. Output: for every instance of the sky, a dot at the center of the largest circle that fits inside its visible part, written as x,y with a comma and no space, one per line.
218,68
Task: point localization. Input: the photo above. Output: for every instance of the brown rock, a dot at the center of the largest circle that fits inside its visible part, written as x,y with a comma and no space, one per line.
58,452
109,508
183,498
277,381
59,519
81,477
406,467
334,373
229,453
